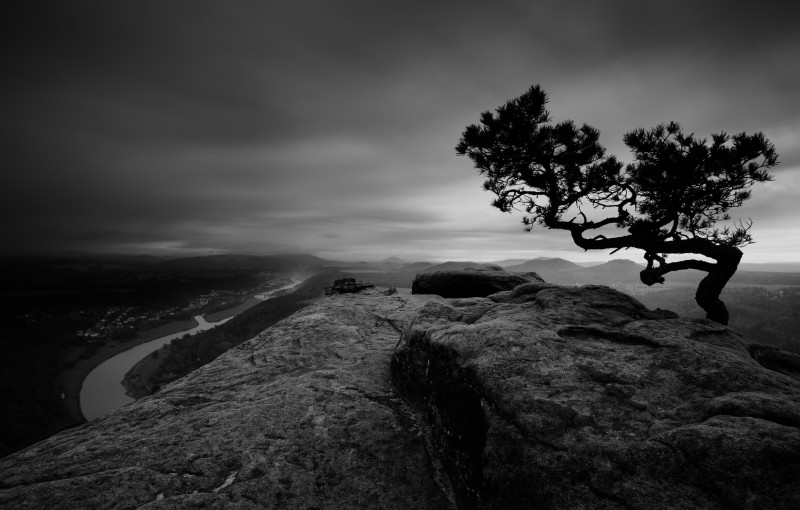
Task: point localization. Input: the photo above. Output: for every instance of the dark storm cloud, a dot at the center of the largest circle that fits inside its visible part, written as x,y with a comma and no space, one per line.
330,125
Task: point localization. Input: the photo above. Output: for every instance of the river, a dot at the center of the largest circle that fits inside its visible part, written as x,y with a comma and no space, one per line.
102,390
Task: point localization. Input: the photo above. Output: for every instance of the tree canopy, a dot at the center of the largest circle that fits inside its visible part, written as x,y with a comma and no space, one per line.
669,199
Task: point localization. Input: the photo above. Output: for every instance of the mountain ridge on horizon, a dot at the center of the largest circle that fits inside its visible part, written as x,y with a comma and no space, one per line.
308,259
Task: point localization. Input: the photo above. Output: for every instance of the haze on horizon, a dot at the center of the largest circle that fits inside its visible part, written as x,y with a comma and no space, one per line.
195,127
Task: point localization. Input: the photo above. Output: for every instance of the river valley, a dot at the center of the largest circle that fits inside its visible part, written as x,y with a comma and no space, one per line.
102,390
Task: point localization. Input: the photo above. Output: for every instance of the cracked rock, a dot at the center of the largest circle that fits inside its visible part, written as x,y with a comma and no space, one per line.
552,397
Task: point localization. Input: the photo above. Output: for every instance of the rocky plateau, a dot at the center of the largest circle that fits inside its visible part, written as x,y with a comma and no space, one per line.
529,396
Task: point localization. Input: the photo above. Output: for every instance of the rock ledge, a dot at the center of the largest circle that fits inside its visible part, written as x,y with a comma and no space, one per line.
553,397
301,416
537,396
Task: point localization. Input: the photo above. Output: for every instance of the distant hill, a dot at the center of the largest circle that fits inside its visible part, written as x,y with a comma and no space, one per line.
621,273
615,271
457,266
544,264
591,263
393,261
626,272
505,263
564,272
553,270
417,266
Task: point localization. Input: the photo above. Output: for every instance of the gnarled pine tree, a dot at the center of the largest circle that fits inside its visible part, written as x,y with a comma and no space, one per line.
669,199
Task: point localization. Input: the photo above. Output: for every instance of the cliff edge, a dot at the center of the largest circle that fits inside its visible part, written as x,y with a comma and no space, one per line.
581,398
536,397
301,416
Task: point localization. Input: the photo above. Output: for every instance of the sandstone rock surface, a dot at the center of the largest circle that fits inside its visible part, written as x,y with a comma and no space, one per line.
553,397
302,416
469,282
535,397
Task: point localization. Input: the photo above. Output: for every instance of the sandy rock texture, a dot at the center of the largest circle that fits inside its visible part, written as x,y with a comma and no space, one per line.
553,397
301,417
540,396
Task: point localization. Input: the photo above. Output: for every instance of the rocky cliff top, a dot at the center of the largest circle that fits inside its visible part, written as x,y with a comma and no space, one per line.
301,416
559,397
540,396
469,282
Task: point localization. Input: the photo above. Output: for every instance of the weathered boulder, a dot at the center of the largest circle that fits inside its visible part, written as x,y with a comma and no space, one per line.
347,286
302,416
470,282
551,397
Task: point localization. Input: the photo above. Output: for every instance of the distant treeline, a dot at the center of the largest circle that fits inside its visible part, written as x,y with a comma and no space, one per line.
188,353
761,315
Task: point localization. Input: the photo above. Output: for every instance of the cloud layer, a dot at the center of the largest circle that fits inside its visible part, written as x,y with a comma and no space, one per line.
329,127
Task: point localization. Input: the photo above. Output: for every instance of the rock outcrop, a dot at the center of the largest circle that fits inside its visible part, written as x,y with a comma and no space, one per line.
554,397
536,397
347,286
302,416
470,282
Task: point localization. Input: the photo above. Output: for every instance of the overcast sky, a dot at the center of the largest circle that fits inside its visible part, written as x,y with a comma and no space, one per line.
329,127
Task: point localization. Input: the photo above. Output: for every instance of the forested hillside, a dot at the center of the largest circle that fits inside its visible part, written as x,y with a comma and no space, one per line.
762,315
191,352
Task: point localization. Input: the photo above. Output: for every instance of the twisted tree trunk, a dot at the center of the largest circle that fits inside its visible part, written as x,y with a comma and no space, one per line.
710,287
707,295
708,291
